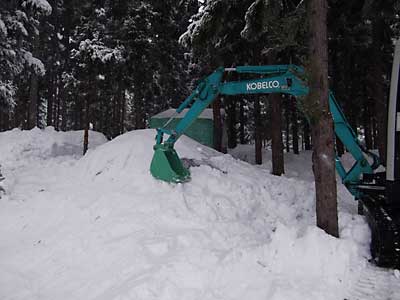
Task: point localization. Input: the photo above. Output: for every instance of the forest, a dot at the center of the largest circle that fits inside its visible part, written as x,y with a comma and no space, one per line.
111,65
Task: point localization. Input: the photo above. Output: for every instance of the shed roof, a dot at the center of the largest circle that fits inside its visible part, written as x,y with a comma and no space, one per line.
206,114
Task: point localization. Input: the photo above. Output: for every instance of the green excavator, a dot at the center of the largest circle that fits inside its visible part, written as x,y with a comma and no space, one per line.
378,192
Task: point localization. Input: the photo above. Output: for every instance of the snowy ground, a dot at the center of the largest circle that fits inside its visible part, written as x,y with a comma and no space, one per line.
100,227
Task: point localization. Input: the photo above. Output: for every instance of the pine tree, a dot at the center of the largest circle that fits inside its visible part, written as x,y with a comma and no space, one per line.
94,57
19,27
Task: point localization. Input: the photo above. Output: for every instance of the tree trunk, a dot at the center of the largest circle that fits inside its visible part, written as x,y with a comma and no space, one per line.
117,113
56,86
63,97
33,101
216,106
55,108
115,116
78,115
257,130
321,120
50,101
287,121
4,120
377,84
34,89
306,135
242,120
374,134
86,129
278,167
139,106
58,113
123,112
295,127
367,125
337,87
231,120
339,147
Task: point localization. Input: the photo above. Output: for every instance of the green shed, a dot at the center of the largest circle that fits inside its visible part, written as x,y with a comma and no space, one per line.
202,129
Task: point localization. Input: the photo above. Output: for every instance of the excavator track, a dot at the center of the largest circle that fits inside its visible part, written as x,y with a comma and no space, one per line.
384,221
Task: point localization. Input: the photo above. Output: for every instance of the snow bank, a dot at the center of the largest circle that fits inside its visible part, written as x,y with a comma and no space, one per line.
20,145
233,232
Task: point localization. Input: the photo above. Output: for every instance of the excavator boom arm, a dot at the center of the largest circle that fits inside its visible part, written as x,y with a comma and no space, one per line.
286,79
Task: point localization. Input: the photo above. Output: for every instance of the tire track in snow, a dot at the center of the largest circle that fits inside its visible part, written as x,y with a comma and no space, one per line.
376,284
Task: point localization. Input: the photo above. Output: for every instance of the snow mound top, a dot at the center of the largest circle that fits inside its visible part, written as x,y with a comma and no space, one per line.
128,156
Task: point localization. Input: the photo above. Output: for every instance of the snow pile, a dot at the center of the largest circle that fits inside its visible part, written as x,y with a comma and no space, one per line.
20,145
103,228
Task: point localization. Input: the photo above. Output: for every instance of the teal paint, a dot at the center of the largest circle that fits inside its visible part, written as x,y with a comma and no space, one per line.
285,79
201,130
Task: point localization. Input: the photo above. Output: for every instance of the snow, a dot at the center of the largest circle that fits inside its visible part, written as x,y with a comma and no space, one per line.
97,51
34,62
3,28
197,22
19,25
41,5
7,93
248,17
100,227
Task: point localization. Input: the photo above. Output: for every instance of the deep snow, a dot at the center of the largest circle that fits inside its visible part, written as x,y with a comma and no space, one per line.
100,227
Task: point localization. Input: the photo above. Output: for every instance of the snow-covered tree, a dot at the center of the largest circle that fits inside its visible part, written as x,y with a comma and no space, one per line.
19,31
96,58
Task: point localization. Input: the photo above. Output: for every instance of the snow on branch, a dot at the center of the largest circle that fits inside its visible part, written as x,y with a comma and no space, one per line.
42,5
197,23
3,28
98,51
17,23
249,16
7,95
34,62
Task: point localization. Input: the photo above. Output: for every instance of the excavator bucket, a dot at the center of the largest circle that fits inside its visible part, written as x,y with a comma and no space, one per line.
167,166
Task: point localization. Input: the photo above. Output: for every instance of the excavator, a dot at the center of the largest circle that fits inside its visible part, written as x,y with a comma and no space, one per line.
378,193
